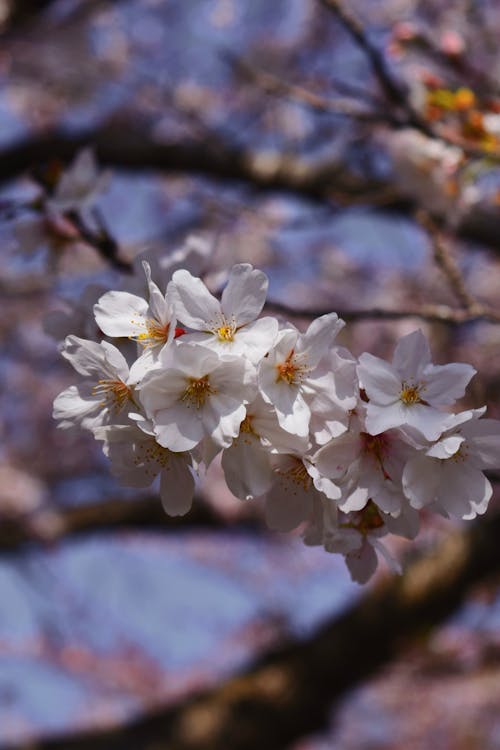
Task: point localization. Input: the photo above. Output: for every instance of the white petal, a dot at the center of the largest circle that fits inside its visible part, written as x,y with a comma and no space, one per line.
444,384
362,563
245,294
256,339
120,314
422,477
446,447
319,337
194,305
411,355
176,486
287,505
247,467
381,383
483,437
178,428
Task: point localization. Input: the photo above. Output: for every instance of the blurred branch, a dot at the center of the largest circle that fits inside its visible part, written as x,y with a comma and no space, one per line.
447,263
128,144
289,692
271,84
50,524
392,88
430,313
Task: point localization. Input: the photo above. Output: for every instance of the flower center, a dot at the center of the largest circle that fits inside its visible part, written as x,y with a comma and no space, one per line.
153,456
376,446
197,391
246,425
366,520
226,333
155,333
297,473
115,393
410,394
291,371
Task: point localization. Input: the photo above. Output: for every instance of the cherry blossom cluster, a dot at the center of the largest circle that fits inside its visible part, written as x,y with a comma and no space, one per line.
348,449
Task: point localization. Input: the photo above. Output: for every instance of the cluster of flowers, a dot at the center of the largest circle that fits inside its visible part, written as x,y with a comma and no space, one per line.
351,449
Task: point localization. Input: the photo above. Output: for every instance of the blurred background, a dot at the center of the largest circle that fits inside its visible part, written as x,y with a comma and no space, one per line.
352,152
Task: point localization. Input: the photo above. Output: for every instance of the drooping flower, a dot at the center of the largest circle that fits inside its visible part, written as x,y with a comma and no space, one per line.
356,535
247,463
230,326
294,491
411,390
107,392
195,394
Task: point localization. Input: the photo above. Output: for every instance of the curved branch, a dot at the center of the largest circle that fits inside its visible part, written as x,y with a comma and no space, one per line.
50,525
289,692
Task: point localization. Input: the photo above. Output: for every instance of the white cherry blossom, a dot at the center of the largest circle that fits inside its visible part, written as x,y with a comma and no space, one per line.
107,392
231,325
290,375
151,323
294,491
247,463
195,394
411,390
448,475
366,467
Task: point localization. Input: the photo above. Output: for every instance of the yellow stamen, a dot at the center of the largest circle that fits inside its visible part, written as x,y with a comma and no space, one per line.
226,333
290,371
152,457
246,425
155,333
115,391
297,473
376,445
197,391
410,394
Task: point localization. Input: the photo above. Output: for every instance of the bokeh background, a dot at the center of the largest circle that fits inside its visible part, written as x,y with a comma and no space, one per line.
269,130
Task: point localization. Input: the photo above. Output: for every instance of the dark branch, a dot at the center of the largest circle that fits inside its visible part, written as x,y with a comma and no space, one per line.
50,525
394,91
289,693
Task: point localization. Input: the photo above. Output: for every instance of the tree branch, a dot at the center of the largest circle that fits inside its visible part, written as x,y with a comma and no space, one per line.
392,88
431,313
289,692
50,525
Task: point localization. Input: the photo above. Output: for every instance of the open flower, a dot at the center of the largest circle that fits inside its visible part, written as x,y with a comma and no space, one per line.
449,474
150,323
229,326
290,375
366,467
105,396
195,394
410,390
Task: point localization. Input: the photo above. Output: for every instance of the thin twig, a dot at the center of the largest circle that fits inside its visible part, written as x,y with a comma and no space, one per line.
392,88
447,263
431,313
271,84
